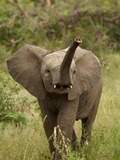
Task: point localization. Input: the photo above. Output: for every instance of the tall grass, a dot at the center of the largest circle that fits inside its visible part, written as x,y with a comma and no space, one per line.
30,143
21,143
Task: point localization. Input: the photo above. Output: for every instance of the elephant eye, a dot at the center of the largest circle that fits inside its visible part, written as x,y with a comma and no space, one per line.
74,72
47,71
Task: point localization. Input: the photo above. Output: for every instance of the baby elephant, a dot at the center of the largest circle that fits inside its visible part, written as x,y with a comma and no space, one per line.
67,84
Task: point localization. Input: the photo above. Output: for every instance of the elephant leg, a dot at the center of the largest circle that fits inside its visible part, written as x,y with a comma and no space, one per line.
66,120
86,131
74,139
49,123
87,123
64,137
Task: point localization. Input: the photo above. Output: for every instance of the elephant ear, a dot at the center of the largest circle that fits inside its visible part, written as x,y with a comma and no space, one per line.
88,72
25,66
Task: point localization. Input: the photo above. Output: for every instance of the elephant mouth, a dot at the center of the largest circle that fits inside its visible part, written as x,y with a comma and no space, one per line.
62,88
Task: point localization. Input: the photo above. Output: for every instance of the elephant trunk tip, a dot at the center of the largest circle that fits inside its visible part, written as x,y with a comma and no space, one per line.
78,40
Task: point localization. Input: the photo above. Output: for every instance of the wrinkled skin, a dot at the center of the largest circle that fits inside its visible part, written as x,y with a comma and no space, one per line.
67,89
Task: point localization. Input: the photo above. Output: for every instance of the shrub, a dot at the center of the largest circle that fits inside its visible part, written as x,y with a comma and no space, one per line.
11,104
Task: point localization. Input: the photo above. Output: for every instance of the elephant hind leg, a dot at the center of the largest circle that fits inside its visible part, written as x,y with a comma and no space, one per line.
87,122
74,140
86,131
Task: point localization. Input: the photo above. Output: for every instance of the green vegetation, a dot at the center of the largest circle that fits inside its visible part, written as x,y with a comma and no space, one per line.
54,26
13,102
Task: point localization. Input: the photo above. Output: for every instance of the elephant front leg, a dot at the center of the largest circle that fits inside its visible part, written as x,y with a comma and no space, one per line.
64,134
49,123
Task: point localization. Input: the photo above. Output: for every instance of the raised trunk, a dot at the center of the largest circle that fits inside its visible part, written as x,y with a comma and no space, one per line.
65,66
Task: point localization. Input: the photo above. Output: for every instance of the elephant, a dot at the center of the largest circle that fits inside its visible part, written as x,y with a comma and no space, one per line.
67,84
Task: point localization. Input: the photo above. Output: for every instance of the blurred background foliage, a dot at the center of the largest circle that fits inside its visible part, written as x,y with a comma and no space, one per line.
53,25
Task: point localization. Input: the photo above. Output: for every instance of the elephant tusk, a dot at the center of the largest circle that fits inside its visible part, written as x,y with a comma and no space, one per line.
54,86
71,86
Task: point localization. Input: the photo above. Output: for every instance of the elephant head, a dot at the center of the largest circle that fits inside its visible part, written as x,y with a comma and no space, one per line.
58,70
41,71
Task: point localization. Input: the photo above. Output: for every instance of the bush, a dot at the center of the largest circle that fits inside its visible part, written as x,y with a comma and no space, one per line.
55,27
13,108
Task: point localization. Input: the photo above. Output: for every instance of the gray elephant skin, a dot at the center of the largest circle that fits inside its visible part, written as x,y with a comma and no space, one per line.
68,86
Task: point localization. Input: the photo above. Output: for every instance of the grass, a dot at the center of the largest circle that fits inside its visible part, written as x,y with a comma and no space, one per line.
21,143
30,143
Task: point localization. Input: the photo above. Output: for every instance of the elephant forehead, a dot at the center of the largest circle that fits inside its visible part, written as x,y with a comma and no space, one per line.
57,55
54,58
